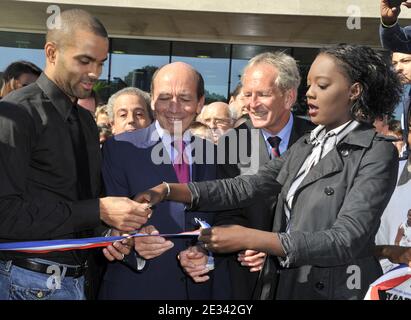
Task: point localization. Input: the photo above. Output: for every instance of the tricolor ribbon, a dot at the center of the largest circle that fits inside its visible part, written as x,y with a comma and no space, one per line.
87,243
388,281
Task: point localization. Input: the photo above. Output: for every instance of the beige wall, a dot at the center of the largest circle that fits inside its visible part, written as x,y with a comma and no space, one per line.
369,8
309,23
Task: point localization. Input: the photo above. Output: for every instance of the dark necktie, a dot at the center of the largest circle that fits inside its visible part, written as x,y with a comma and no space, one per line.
181,166
275,146
80,154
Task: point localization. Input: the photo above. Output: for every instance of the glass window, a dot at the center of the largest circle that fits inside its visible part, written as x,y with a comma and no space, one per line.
133,62
211,60
27,46
16,46
304,57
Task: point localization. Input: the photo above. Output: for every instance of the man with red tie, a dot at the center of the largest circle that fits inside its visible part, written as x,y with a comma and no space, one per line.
270,83
135,161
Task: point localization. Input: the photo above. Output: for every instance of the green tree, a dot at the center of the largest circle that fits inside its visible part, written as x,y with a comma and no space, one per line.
213,97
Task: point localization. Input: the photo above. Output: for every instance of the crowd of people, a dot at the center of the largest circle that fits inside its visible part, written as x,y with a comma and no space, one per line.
293,202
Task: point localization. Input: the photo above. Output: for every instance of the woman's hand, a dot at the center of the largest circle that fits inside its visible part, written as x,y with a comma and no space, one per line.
396,254
152,196
225,239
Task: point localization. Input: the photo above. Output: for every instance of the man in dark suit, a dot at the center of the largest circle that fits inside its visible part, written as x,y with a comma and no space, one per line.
392,36
134,161
270,82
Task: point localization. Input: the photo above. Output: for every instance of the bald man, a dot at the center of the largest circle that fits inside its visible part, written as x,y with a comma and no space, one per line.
217,116
50,168
135,161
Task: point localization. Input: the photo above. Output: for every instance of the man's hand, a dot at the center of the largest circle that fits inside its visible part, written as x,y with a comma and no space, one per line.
389,15
193,261
152,196
118,249
252,259
225,239
124,214
151,247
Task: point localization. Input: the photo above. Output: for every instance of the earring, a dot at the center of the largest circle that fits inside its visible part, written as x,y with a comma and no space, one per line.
354,108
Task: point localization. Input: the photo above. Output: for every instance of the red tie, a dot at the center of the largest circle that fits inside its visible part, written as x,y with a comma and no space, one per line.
181,166
275,145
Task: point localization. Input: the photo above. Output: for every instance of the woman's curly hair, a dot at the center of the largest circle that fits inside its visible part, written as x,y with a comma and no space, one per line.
381,86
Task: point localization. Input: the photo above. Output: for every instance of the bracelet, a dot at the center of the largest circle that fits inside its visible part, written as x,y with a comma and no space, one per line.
168,190
388,26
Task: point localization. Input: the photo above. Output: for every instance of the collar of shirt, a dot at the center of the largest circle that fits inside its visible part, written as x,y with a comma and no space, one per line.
284,134
319,133
58,98
167,139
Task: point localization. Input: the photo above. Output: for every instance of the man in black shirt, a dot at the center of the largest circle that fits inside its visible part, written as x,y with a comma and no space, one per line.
50,168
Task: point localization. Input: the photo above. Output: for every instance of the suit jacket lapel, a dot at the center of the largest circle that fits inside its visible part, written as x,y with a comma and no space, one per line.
264,157
196,172
150,140
300,128
294,134
199,170
166,170
330,164
294,166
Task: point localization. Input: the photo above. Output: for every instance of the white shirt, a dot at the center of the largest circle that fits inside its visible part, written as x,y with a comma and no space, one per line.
172,152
